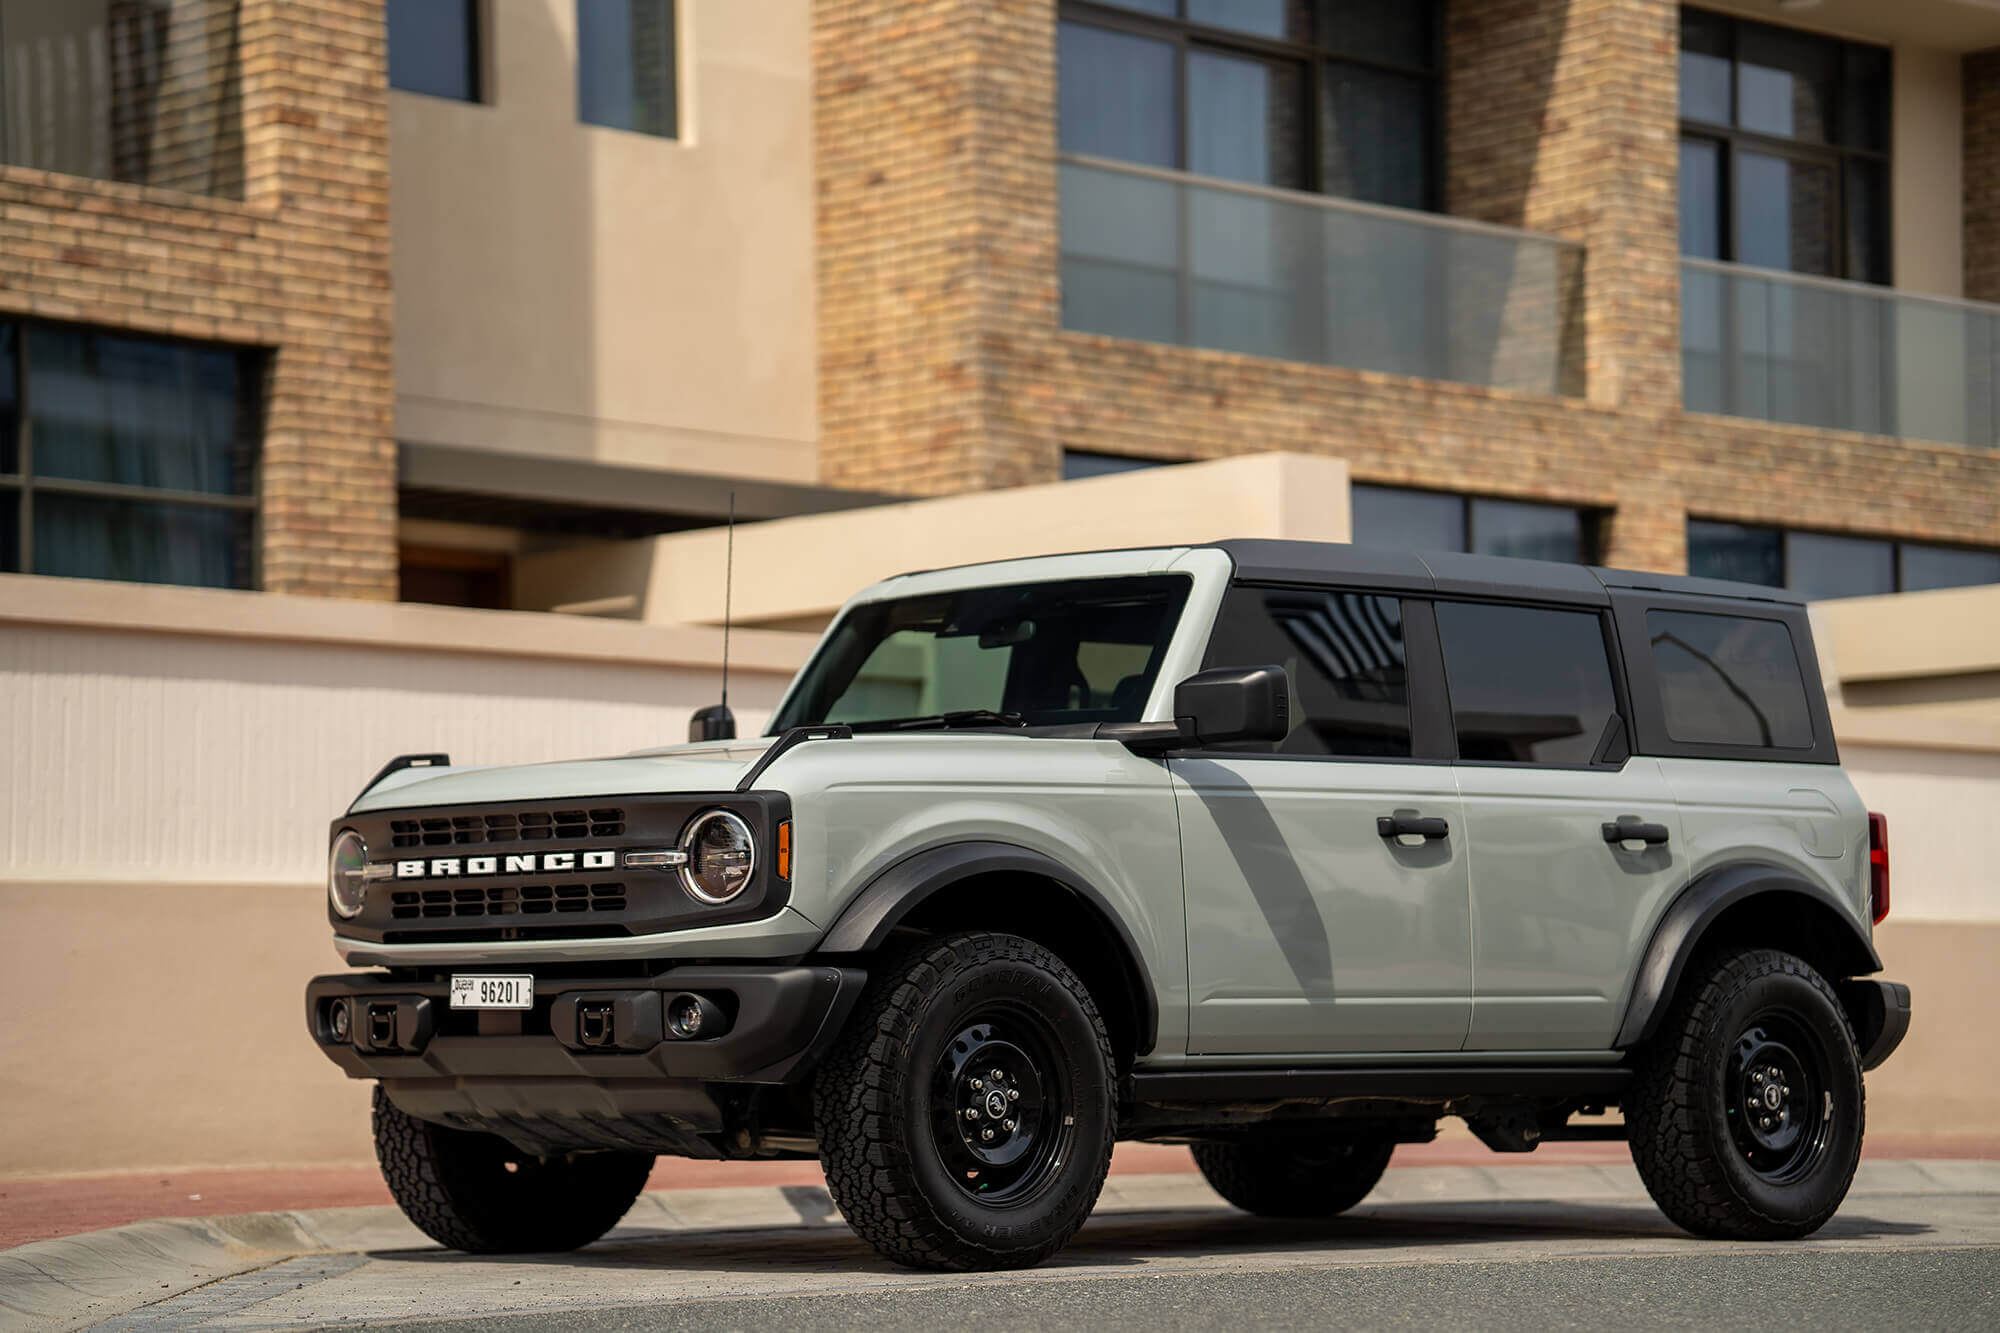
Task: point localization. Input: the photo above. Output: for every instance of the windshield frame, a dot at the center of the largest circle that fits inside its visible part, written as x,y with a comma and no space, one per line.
1181,585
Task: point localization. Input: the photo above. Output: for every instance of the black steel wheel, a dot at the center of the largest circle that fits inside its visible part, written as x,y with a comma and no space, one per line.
965,1118
1293,1174
1747,1111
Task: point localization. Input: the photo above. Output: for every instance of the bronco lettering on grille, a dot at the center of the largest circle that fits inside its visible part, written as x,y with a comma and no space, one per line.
465,867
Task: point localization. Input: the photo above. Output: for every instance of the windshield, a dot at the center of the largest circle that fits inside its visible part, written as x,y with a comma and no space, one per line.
1085,650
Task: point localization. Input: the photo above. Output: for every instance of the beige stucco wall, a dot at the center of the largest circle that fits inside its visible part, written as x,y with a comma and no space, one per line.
1927,166
798,571
582,292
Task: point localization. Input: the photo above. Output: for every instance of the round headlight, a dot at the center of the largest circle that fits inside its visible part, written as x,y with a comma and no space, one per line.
720,857
345,887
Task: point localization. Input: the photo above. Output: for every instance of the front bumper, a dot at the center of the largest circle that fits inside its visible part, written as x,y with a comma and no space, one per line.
591,1065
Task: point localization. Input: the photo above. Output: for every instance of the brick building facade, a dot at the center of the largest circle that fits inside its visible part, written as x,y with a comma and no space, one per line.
945,364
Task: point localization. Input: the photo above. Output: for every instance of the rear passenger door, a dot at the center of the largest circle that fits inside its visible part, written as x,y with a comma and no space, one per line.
1309,930
1559,908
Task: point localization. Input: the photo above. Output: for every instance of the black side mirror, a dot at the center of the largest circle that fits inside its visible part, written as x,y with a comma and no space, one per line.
1233,704
713,723
1212,708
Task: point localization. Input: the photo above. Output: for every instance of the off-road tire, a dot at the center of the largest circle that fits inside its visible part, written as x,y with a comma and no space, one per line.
1292,1176
1687,1128
885,1153
457,1187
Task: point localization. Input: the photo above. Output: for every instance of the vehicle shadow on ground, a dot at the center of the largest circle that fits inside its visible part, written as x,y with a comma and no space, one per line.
1131,1238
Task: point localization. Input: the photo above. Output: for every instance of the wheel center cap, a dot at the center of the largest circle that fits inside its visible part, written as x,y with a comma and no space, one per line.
1773,1098
996,1104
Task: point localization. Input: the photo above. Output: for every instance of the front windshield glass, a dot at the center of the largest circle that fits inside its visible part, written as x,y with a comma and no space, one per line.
1085,650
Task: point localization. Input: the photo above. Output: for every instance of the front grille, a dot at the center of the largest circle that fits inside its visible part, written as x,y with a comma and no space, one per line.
513,826
505,900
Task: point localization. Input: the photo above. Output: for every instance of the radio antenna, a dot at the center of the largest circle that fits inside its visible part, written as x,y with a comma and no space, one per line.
716,722
728,582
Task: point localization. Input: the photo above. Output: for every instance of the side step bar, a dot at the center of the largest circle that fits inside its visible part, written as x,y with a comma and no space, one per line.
1188,1087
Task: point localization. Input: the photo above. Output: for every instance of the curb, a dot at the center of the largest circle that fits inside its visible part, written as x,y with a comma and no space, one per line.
73,1281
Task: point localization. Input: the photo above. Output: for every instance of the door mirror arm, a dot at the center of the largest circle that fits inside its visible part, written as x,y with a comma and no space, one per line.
1214,707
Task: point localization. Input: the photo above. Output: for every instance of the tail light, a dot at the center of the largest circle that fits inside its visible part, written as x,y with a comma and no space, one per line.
1878,865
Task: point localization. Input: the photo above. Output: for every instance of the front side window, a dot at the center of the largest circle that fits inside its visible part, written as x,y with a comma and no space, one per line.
434,48
1784,148
625,66
127,458
1528,685
1729,680
1344,666
1338,97
1047,653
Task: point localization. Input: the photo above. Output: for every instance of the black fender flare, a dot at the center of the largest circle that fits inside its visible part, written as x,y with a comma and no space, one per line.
1679,934
903,887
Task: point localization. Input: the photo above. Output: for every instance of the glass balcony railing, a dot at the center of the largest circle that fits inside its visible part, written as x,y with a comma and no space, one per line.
1167,257
1844,355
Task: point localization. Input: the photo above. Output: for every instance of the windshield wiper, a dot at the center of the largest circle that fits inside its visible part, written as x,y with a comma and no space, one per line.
964,717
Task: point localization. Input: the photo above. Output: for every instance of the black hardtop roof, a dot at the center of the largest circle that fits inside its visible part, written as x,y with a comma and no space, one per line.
1452,572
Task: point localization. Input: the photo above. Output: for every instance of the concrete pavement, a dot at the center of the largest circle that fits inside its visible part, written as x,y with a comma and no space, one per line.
737,1257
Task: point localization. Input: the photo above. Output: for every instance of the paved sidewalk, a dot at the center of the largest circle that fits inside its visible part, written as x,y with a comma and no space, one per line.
369,1263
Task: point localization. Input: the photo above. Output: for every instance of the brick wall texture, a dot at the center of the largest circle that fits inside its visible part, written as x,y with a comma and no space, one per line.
299,266
1981,81
944,366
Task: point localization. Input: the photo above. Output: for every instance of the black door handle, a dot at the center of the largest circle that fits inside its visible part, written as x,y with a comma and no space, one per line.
1394,826
1628,828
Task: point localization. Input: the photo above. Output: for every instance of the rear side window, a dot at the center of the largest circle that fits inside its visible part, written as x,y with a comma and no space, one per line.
1528,685
1729,680
1343,659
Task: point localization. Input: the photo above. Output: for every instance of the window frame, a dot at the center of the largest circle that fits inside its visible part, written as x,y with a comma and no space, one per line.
475,55
1648,721
1590,520
1185,34
1896,547
1731,140
1621,692
20,487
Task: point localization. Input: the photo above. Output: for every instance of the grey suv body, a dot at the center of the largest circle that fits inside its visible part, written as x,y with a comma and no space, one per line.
1284,850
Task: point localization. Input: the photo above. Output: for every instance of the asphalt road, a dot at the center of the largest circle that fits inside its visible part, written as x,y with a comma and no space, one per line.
1903,1255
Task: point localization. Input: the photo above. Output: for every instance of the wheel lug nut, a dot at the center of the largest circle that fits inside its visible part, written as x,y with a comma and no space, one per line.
977,1085
1757,1077
1009,1125
985,1133
972,1113
995,1075
1013,1094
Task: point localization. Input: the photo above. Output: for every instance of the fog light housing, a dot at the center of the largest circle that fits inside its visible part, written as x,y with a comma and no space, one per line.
692,1017
339,1021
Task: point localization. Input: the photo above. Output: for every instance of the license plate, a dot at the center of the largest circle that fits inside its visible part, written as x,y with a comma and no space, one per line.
509,992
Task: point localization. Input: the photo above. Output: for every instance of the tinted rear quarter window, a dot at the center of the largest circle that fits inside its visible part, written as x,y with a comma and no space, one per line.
1729,680
1528,684
1344,663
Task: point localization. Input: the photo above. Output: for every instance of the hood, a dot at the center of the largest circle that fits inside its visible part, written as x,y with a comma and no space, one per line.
712,766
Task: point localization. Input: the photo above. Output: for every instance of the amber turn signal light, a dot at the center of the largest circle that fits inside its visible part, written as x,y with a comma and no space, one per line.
785,850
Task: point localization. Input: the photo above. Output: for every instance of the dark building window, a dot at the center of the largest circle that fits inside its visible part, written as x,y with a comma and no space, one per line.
625,56
434,48
1819,565
127,458
1334,96
1784,148
1080,463
1527,685
144,91
1439,521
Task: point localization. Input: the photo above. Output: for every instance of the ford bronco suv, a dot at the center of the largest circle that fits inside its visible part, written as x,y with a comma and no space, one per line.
1282,850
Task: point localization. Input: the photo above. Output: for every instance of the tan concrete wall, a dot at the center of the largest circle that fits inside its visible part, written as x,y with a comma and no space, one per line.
798,571
1927,172
582,292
